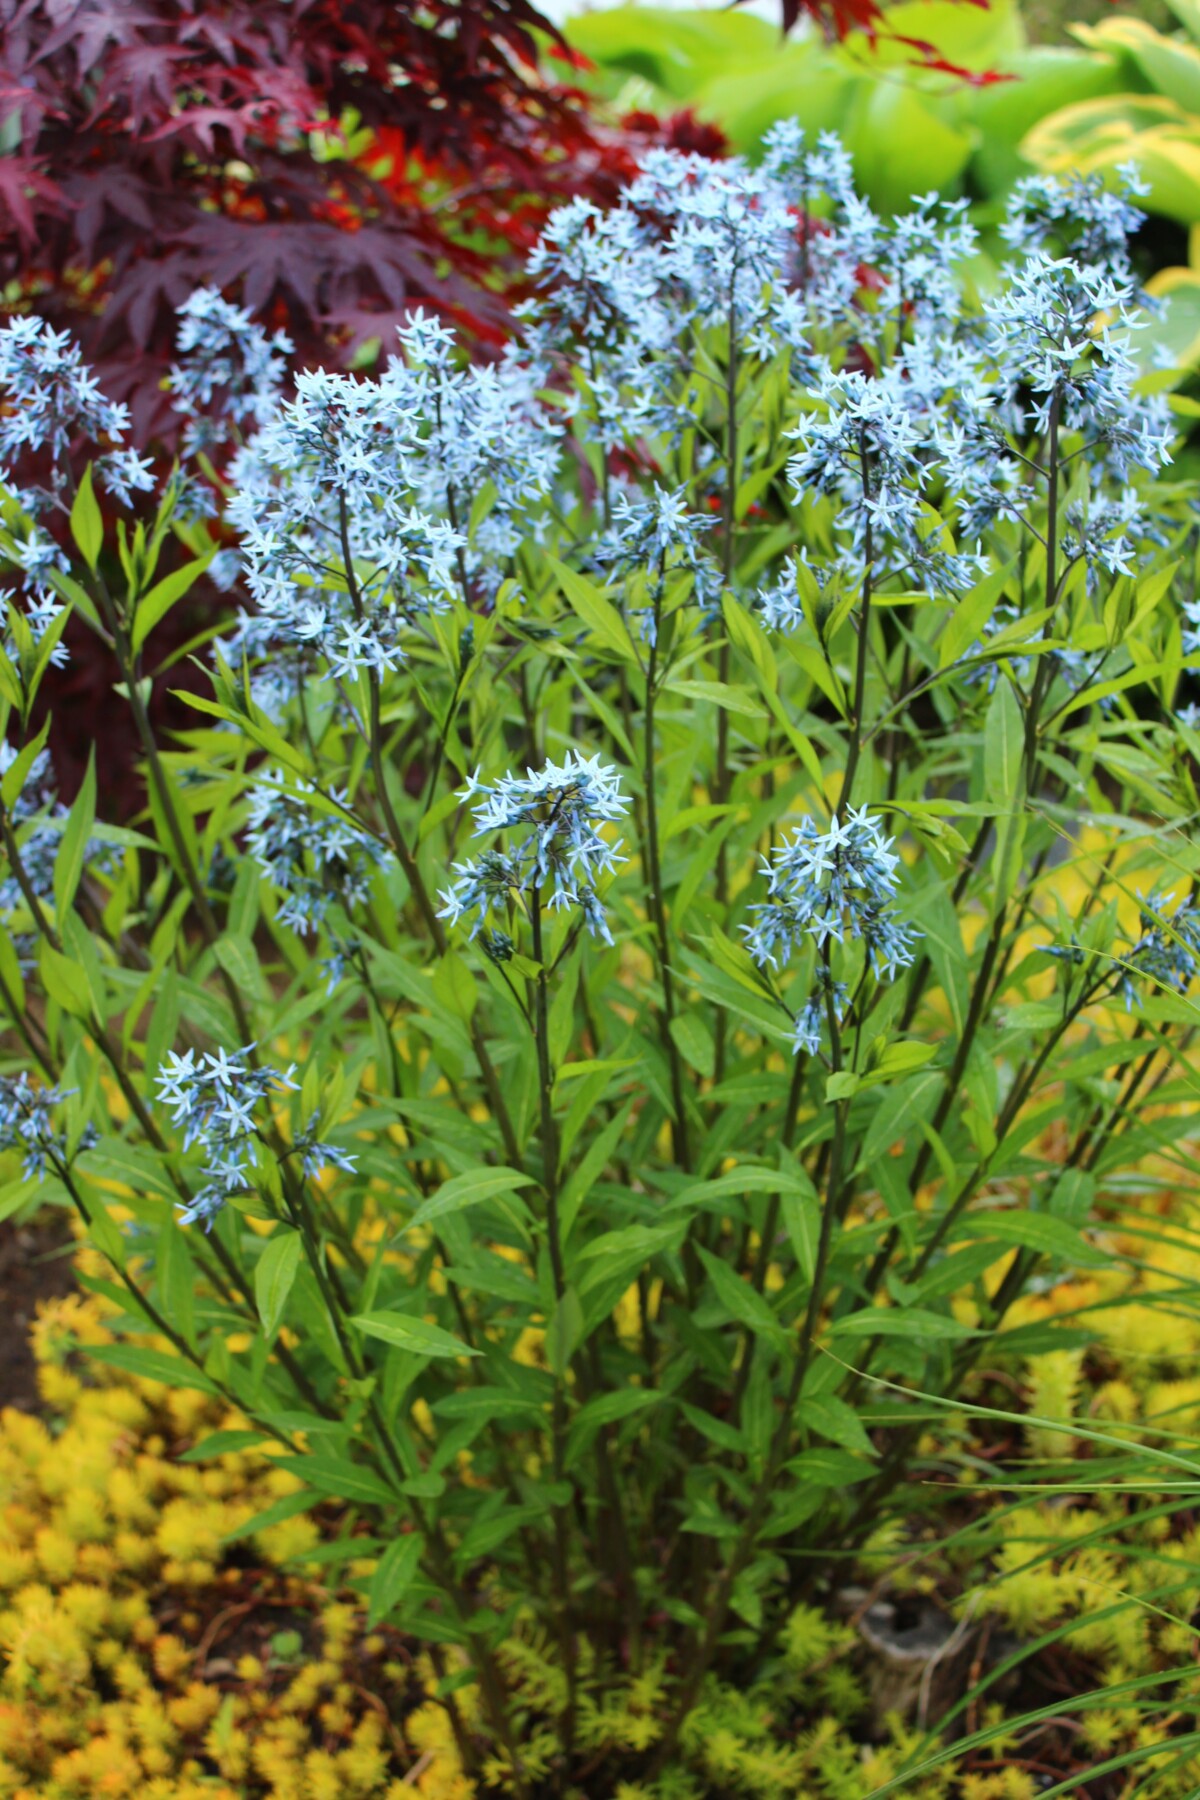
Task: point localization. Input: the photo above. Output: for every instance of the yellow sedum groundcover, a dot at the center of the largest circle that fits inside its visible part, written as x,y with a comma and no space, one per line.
127,1669
145,1655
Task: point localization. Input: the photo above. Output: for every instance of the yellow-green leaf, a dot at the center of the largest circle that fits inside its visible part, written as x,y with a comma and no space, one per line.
155,605
14,776
273,1277
65,981
597,612
87,522
407,1332
72,848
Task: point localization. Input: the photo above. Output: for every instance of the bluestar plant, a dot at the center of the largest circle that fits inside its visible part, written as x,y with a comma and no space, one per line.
49,400
217,1098
230,374
314,859
838,620
38,819
1166,954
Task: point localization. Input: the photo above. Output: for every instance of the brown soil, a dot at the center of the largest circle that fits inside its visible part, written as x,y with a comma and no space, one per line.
35,1264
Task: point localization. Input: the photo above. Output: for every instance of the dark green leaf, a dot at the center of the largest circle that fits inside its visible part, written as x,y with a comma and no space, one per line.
341,1477
153,1365
222,1443
741,1301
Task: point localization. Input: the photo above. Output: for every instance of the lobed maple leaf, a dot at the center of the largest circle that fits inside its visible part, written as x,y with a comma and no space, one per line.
164,144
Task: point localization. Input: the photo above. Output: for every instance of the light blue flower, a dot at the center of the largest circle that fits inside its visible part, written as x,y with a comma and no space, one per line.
214,1097
559,809
831,886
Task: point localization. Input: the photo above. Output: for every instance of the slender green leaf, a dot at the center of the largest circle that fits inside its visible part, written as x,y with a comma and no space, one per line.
87,522
393,1576
153,1365
72,846
155,605
1003,745
596,610
412,1334
909,1322
274,1274
344,1479
13,779
462,1191
741,1301
1034,1231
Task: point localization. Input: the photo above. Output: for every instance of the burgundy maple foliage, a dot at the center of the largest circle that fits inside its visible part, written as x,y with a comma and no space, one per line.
153,146
157,145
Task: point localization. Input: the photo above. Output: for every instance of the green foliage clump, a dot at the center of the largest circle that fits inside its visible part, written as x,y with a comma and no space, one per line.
671,937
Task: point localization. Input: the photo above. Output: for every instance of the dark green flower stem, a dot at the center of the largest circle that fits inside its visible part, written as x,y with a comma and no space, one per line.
465,1322
558,1424
654,885
800,1064
721,781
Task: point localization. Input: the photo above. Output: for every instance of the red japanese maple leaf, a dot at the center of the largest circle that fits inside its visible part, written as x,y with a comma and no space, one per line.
838,19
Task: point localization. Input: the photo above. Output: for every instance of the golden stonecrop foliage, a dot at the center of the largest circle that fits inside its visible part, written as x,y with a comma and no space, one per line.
146,1657
128,1669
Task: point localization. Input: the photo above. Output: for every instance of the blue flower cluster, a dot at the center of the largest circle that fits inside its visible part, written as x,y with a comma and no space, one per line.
760,253
869,448
354,506
365,505
224,356
657,533
315,859
1167,954
214,1097
912,394
778,601
1077,216
49,400
561,809
830,886
26,1123
38,817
